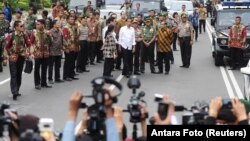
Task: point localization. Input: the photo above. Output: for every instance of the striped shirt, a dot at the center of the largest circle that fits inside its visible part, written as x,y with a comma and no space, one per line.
165,39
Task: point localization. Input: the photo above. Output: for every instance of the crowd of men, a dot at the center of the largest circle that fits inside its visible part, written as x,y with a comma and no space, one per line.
88,39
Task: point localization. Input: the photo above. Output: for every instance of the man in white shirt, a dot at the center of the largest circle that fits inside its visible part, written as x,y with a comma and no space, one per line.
127,45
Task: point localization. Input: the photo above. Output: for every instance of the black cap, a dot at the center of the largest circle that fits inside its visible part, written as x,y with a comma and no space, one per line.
151,10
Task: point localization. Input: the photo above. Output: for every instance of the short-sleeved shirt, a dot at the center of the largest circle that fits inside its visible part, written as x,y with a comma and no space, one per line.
202,13
83,33
184,29
148,33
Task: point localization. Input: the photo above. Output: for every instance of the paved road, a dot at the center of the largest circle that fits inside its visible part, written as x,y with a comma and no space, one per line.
202,81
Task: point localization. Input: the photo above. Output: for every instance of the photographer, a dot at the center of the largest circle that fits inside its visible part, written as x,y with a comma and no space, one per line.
230,113
115,128
170,112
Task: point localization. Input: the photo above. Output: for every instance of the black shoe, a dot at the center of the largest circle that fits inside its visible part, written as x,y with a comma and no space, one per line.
74,78
159,72
232,68
175,49
15,96
59,81
67,79
92,63
76,74
79,71
86,70
38,87
166,73
98,62
154,72
19,94
118,68
46,86
142,71
51,82
183,66
137,73
172,61
127,75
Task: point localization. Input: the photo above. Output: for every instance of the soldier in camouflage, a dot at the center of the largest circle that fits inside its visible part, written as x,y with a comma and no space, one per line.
4,28
30,21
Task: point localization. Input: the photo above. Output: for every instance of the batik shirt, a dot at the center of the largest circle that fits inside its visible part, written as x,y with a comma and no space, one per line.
70,38
237,36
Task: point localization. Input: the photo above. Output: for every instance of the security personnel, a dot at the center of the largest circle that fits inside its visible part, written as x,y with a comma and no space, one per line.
148,48
237,40
17,48
99,37
4,28
70,38
153,19
185,39
40,40
30,21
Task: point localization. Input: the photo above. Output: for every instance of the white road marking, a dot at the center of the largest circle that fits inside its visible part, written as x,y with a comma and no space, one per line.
4,81
224,74
236,85
227,83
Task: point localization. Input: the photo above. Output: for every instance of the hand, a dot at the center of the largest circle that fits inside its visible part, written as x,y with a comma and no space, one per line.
239,110
118,119
215,106
74,105
191,42
5,61
144,111
67,50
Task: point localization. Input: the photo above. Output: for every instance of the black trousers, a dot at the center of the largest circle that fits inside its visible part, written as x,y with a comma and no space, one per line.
41,64
148,53
68,68
1,58
54,63
108,66
237,56
92,51
186,50
127,61
118,60
196,32
82,55
166,56
174,41
137,56
16,69
202,23
99,52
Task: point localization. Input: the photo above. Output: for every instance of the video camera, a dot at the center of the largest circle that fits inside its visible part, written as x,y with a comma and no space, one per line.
96,112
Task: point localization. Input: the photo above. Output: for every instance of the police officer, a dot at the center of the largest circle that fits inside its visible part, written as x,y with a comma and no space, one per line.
185,40
148,48
4,28
30,21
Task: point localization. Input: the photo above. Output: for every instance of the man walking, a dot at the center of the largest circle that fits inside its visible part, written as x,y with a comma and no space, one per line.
17,47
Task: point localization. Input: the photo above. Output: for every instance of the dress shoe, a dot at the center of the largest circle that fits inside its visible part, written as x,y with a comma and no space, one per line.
166,73
46,86
79,71
19,94
86,70
92,63
142,71
67,79
59,81
159,72
118,68
98,62
15,96
38,87
172,61
137,73
154,72
127,75
74,78
182,66
51,82
76,74
232,68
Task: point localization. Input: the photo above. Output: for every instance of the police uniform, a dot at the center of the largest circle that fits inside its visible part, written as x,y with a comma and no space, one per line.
148,33
4,28
138,46
185,37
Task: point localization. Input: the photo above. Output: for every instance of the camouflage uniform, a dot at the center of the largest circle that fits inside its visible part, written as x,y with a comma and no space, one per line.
4,28
30,23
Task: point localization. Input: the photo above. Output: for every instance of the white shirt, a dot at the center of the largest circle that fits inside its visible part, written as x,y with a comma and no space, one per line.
103,34
127,37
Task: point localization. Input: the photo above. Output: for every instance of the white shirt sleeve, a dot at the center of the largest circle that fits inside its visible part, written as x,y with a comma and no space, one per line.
133,37
120,36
